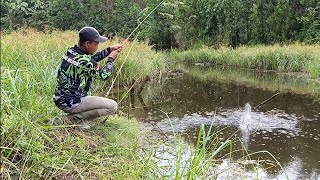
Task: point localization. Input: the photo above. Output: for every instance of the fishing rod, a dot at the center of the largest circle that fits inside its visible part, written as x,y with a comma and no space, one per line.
118,72
127,40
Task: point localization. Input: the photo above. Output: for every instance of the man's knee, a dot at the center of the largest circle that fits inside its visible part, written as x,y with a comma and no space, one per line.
113,106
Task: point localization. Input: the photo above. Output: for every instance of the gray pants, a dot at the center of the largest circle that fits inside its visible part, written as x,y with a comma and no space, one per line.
92,107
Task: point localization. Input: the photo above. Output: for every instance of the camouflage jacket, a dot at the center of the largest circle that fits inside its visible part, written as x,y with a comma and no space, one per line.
76,73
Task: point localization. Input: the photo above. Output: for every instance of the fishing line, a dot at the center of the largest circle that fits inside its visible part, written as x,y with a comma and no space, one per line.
114,80
258,106
126,40
125,94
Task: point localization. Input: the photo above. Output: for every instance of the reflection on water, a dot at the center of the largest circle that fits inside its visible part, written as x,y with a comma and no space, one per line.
288,126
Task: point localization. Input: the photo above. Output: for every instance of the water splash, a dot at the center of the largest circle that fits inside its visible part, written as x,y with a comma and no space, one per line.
246,118
247,108
246,123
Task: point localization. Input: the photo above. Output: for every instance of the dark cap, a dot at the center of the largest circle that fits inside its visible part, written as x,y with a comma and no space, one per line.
91,34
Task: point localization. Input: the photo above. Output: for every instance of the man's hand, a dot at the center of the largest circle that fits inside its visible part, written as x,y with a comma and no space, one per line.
116,47
114,54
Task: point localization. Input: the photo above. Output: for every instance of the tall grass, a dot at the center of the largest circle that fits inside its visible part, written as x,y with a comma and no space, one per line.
286,58
33,146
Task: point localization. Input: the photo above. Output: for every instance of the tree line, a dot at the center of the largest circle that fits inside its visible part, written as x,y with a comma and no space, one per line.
176,23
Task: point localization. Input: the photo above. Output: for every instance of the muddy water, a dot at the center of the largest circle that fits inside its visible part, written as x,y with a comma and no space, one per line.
287,126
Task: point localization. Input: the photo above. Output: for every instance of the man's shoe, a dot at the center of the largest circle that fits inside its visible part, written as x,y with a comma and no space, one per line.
79,122
105,121
83,125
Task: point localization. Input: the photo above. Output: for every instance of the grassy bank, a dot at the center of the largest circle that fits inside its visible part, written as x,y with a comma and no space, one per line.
32,145
287,58
35,150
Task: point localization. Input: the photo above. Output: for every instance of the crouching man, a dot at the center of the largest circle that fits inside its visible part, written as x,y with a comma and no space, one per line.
79,66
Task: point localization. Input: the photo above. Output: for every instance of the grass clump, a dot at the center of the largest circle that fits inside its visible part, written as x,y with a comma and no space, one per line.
286,58
109,151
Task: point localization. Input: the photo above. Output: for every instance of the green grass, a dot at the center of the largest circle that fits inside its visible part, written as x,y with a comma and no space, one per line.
287,58
48,151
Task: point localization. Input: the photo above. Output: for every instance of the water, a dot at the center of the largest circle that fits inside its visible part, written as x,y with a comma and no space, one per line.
288,126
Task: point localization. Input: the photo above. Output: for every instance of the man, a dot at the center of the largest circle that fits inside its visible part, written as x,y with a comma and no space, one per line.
78,67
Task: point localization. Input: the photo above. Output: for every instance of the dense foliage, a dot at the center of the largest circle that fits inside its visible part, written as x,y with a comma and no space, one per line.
183,23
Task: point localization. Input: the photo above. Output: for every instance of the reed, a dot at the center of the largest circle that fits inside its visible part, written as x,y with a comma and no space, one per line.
282,58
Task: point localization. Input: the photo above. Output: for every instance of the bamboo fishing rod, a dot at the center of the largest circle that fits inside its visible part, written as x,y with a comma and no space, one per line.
127,40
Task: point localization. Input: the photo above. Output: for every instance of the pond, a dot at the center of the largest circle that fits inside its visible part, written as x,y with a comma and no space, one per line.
287,125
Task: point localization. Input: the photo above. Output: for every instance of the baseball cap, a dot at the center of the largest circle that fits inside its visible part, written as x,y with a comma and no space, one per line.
91,34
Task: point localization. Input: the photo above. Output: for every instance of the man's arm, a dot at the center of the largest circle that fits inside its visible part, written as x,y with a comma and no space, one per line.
106,52
101,55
